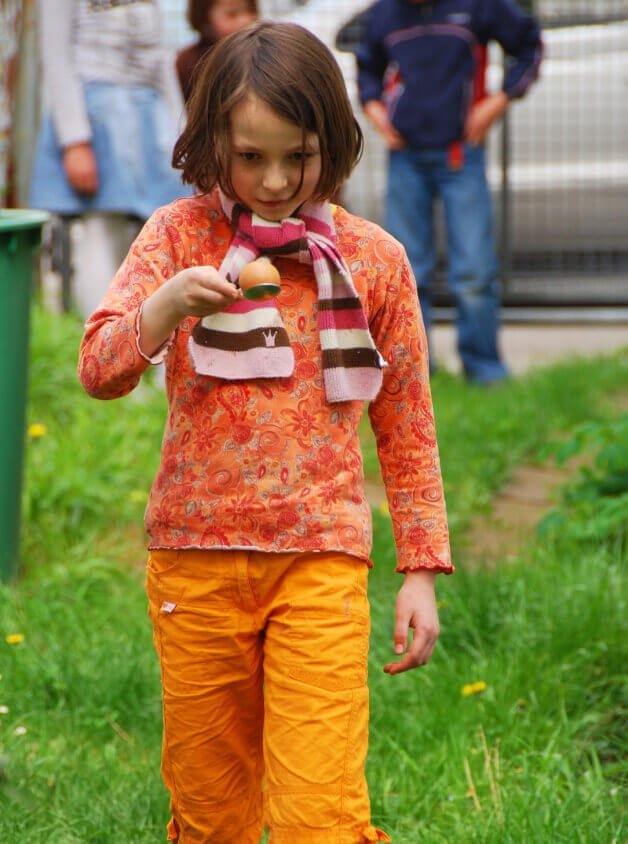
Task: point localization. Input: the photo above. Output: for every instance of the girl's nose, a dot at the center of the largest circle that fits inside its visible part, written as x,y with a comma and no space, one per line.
275,178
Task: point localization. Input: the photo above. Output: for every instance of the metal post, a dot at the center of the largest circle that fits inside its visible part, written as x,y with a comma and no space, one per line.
505,238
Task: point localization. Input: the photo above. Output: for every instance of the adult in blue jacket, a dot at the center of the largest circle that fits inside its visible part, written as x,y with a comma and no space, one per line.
421,80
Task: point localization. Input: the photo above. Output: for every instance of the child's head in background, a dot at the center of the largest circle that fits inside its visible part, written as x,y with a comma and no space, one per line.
214,19
270,106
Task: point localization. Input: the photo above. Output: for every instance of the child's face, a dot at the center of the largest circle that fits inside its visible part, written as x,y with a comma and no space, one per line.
228,16
268,155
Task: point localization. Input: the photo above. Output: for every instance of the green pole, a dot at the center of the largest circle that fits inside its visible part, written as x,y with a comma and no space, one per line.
20,240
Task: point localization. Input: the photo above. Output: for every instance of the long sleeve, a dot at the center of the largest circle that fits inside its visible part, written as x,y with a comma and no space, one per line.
64,91
519,36
402,419
110,361
372,61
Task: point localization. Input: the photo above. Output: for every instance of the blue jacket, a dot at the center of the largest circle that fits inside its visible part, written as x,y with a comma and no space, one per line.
425,60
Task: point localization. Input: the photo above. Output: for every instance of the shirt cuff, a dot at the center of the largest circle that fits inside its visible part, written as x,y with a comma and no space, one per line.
162,352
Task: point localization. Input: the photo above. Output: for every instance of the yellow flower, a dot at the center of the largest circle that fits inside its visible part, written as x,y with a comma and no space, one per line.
36,430
137,496
474,688
383,508
14,638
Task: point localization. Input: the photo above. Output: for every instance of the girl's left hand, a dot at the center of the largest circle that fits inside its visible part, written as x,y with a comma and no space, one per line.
416,609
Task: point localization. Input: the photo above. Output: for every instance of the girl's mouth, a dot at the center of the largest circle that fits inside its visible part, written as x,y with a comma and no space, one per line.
272,203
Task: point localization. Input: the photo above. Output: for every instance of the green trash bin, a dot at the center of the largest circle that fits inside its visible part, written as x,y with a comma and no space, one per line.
20,241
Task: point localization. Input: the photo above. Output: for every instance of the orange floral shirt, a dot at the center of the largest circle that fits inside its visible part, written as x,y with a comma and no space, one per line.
269,464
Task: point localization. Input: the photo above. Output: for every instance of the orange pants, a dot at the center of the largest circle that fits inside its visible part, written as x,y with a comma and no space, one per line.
264,666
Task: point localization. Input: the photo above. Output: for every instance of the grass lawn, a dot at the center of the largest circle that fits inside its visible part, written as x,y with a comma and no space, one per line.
535,756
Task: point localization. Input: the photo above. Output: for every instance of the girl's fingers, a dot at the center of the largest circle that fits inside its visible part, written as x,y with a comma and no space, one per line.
418,653
211,279
200,291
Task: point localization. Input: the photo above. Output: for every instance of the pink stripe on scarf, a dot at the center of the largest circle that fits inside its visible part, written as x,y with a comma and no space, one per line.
245,306
362,382
261,362
351,318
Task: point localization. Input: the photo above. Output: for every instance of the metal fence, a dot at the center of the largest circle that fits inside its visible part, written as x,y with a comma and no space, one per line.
559,164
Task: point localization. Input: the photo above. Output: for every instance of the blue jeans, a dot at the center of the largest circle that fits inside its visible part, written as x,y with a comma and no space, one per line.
416,178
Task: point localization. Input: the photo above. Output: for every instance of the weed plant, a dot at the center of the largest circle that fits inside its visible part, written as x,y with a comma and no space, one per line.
511,734
596,506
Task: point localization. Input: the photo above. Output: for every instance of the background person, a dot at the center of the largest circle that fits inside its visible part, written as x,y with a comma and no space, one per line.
421,83
212,19
260,530
112,116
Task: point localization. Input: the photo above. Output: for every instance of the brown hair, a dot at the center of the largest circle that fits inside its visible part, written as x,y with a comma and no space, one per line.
295,74
197,14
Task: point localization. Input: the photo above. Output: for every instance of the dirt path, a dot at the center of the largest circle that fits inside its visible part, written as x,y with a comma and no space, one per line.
501,534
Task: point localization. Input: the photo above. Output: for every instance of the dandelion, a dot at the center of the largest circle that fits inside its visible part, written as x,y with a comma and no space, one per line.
4,710
37,430
14,638
20,731
474,688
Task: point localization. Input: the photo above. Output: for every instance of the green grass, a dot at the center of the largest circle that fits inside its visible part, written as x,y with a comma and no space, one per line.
542,745
545,635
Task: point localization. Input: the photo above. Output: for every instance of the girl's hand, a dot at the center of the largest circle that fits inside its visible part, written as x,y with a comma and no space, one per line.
81,168
416,608
196,291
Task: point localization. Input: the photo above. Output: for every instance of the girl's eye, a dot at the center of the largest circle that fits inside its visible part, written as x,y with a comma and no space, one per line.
301,156
249,156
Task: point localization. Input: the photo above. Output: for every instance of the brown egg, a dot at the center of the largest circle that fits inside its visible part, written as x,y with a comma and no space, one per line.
257,272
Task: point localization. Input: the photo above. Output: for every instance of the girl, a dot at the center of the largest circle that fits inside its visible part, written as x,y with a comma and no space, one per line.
103,153
260,531
212,19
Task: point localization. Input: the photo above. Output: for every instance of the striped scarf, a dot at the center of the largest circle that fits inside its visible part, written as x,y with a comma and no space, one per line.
248,340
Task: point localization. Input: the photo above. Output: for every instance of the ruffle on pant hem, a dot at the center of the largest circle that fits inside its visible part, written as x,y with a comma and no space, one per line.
372,833
344,835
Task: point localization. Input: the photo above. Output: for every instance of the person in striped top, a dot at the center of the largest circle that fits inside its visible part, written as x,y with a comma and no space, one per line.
260,529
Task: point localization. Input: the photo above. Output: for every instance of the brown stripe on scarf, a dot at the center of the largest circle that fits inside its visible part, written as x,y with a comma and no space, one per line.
290,248
333,358
234,341
339,304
